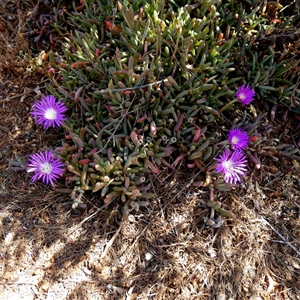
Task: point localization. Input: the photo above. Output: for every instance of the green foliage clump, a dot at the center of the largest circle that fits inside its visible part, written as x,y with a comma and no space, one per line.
149,84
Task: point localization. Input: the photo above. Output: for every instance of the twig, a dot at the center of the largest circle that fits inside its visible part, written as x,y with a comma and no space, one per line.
170,245
115,130
92,215
110,243
133,87
87,218
21,283
13,97
159,203
262,220
25,93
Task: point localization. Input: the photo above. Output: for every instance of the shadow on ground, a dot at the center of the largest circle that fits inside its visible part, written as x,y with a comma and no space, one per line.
166,252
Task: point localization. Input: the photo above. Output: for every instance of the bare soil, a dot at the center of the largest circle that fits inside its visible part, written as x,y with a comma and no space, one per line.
50,251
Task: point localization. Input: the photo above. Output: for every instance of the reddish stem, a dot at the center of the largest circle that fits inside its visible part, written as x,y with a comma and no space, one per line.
178,159
179,123
196,136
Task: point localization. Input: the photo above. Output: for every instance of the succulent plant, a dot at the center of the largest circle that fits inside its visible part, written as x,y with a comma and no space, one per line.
148,85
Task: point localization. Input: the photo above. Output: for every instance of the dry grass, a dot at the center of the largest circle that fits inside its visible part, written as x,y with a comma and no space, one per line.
49,251
58,254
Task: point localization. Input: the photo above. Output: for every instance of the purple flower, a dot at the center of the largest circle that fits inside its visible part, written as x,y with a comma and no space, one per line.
233,166
238,138
245,94
49,111
46,167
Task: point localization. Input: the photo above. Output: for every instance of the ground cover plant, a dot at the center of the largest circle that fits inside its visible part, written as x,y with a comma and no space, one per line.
147,81
137,91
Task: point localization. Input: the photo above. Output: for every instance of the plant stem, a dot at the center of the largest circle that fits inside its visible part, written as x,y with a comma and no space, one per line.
227,105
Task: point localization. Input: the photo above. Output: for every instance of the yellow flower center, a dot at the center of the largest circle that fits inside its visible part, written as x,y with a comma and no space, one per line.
46,168
50,114
242,96
235,140
227,164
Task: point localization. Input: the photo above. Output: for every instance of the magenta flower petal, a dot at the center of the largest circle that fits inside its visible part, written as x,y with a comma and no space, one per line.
238,138
233,166
49,112
245,94
46,167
